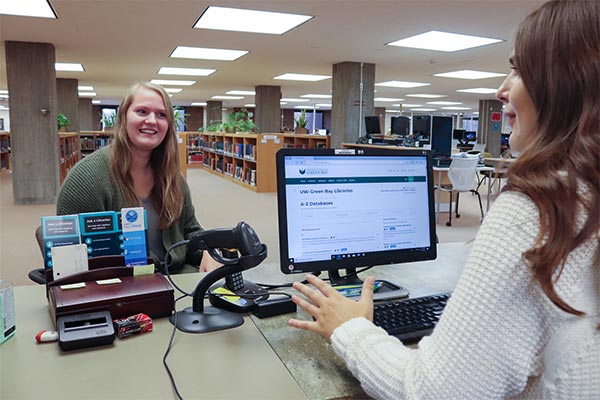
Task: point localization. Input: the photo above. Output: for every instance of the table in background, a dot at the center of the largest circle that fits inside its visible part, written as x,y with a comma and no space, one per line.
262,359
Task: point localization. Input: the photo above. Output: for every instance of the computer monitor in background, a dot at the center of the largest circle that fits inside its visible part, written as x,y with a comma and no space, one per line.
347,208
470,136
400,126
441,136
458,134
372,125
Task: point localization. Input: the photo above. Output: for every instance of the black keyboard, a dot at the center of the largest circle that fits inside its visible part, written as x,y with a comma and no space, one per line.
409,320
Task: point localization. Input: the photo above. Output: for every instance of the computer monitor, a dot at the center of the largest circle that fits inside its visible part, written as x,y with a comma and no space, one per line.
458,134
400,126
441,136
470,136
372,125
347,208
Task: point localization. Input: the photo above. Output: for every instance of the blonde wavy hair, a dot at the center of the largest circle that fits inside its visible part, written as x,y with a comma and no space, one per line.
167,193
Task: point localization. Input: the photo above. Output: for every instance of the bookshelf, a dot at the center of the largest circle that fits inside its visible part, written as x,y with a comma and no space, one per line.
194,152
69,152
246,159
4,151
91,141
305,141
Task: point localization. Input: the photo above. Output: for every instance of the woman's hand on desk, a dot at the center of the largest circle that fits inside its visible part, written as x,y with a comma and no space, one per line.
328,307
208,263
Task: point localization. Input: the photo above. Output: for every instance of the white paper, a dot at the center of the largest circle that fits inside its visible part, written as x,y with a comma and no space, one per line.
68,260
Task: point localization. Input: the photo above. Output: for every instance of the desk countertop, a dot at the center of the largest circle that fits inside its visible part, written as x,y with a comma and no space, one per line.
262,359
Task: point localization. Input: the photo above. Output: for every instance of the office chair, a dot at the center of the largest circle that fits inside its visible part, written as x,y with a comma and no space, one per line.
463,178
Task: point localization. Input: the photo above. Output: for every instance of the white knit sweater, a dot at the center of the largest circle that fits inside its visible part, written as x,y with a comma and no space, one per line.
500,336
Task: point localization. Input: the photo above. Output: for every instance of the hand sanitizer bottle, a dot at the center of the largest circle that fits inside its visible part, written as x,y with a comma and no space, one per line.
7,311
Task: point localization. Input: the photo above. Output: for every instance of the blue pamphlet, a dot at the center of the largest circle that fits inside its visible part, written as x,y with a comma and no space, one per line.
61,230
133,221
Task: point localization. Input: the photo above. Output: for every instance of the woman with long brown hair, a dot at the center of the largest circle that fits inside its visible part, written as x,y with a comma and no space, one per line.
140,168
523,321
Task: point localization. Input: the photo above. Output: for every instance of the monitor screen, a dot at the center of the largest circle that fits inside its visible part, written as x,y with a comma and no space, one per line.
372,125
470,136
347,208
400,126
458,134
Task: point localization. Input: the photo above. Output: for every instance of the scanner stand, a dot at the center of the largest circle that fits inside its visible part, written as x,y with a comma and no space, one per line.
200,319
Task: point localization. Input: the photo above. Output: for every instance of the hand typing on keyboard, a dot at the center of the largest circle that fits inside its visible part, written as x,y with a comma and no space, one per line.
328,307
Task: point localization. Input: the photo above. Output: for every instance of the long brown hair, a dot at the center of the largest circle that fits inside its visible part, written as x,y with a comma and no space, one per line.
557,54
167,193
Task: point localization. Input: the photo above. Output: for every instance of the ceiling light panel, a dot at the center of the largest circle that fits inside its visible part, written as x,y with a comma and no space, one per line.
82,88
386,99
171,82
443,41
173,90
72,67
444,103
242,92
227,97
469,74
203,53
422,109
96,102
317,96
185,71
478,90
86,94
426,96
402,84
323,105
249,105
294,100
455,108
241,20
302,77
3,91
202,103
28,8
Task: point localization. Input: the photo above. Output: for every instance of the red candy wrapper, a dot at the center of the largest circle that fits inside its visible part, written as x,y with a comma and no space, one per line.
138,323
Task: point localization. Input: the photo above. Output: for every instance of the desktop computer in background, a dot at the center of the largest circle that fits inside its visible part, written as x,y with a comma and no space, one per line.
372,125
400,126
441,141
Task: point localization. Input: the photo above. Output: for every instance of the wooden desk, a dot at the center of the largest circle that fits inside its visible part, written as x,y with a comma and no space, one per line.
262,359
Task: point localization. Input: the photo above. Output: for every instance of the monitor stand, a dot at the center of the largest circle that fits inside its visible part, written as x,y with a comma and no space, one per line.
387,290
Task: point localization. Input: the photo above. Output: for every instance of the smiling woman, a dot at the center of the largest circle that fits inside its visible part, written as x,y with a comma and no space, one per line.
141,168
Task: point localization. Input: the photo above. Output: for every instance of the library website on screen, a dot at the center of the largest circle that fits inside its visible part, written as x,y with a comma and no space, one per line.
348,207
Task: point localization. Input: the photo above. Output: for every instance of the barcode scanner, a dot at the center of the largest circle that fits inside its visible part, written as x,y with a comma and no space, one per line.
238,249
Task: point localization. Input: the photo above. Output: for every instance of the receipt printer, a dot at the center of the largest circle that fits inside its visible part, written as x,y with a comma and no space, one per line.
85,330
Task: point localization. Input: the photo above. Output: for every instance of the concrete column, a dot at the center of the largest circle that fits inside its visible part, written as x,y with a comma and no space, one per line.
195,119
489,127
68,101
32,85
86,121
347,113
267,115
214,113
